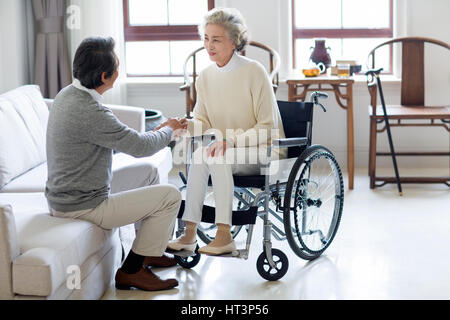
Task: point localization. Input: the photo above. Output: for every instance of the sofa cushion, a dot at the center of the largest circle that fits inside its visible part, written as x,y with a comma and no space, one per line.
48,245
126,171
30,181
23,125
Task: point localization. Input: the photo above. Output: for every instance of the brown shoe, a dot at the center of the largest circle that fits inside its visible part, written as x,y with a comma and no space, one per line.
144,279
160,262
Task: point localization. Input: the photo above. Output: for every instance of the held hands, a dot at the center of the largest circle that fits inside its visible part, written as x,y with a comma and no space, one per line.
178,125
218,148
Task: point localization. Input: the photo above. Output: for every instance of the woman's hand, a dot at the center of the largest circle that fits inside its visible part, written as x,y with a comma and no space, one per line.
218,148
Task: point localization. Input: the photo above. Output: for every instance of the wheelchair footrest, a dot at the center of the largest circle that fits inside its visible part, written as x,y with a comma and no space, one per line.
240,254
239,217
181,253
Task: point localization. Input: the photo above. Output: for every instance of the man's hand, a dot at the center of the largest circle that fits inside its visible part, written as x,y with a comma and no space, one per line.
179,126
218,148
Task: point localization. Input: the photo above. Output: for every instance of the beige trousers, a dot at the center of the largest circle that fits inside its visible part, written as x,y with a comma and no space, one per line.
155,207
237,161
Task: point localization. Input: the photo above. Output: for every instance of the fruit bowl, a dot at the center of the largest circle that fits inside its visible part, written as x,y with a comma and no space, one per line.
313,72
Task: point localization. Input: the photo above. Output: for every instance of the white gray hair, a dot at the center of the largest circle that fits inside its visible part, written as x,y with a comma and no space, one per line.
232,20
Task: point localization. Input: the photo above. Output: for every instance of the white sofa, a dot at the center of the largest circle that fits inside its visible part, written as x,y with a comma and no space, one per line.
44,257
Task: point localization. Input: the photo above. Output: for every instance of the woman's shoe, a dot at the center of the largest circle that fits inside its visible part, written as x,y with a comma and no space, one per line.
216,251
176,245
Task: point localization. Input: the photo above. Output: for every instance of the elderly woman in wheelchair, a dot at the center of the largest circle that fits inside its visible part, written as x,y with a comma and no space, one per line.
237,105
233,93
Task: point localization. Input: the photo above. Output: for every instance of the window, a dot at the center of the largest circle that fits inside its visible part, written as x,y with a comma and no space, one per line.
351,28
160,34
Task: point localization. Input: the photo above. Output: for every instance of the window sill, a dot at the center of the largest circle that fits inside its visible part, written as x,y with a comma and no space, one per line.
154,80
360,80
389,78
138,81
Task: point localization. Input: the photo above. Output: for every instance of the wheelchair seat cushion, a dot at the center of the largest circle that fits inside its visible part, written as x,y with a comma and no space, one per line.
256,181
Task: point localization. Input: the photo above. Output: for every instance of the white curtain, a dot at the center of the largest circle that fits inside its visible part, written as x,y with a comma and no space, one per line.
102,18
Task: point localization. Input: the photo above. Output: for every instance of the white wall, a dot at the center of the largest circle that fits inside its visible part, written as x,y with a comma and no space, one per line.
14,63
431,19
107,24
269,22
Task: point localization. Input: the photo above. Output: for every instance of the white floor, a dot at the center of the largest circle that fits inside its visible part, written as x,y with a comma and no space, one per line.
387,247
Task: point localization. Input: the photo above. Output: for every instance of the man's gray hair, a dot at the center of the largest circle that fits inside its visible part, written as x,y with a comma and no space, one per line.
232,20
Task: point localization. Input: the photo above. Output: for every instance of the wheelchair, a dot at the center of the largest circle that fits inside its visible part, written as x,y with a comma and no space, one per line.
308,204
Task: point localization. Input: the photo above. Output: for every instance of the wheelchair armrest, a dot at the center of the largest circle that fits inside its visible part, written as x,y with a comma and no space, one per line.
289,142
200,138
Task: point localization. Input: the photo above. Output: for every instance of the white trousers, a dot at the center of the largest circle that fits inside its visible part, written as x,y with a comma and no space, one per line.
154,206
237,161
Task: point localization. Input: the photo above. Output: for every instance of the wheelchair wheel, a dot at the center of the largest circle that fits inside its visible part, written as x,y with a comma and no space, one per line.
313,202
266,271
189,262
207,232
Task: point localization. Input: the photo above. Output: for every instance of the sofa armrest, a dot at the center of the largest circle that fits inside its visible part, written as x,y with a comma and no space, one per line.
9,250
48,102
134,117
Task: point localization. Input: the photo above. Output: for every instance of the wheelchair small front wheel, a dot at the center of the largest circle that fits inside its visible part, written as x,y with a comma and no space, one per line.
189,262
268,272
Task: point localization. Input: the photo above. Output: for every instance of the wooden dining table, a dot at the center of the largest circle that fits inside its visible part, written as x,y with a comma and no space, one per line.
299,86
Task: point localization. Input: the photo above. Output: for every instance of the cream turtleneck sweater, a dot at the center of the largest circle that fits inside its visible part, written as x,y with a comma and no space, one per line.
237,102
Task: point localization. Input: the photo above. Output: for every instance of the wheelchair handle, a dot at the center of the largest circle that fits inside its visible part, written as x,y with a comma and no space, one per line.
315,99
374,71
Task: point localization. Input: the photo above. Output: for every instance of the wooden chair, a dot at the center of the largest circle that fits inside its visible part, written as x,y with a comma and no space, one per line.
189,87
412,107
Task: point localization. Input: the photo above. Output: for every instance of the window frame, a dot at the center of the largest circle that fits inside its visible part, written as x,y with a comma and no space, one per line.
159,33
300,33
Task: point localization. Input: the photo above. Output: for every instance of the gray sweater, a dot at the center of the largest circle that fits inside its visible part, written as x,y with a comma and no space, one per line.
81,137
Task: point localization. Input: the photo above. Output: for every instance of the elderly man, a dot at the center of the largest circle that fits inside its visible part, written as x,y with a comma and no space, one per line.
82,134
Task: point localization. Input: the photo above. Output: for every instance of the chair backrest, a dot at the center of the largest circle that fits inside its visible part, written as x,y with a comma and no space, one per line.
412,88
297,118
189,86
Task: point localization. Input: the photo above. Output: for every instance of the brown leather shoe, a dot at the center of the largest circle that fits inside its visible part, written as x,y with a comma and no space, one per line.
160,262
144,279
